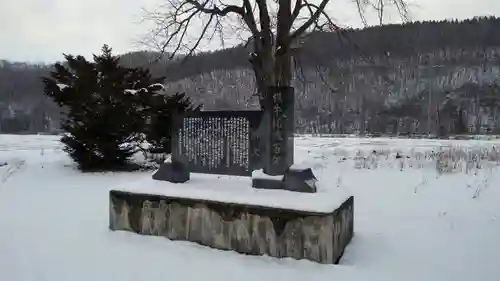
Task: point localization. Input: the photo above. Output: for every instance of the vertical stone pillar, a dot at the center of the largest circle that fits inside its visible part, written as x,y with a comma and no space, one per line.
279,128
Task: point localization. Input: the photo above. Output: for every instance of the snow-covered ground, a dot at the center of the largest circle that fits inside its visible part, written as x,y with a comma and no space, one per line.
433,216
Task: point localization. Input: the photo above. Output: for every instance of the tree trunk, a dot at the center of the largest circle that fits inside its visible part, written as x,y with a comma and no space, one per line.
272,65
271,68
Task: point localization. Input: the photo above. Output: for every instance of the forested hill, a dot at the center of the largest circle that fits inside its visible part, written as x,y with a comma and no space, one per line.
400,41
355,80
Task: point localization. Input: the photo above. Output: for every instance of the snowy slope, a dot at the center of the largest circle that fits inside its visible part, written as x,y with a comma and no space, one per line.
411,222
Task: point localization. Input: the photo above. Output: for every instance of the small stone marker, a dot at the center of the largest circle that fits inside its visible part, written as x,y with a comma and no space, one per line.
294,179
175,172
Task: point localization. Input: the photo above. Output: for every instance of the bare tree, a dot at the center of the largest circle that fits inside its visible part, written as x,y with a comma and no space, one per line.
274,28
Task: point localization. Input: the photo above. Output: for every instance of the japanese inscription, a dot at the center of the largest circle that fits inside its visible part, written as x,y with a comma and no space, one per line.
217,142
277,132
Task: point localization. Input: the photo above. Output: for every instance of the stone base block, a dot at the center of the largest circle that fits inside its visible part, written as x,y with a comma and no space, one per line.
294,179
254,230
174,172
263,183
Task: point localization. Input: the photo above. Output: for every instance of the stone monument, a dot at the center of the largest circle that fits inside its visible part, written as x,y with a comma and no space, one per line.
238,143
228,214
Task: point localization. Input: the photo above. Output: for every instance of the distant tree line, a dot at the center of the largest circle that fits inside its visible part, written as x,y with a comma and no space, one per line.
420,77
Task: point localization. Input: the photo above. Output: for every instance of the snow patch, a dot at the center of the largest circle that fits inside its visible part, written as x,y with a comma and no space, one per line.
130,91
236,190
62,86
157,86
152,87
411,224
135,92
259,174
300,166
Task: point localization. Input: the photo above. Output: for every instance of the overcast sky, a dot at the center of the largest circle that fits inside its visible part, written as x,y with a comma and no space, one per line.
41,30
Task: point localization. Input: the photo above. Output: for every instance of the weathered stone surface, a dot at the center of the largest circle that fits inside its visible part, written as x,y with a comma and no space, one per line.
320,237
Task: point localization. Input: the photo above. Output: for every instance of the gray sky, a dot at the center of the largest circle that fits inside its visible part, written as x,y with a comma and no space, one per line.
41,30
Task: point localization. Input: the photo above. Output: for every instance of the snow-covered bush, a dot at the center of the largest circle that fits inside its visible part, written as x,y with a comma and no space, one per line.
105,112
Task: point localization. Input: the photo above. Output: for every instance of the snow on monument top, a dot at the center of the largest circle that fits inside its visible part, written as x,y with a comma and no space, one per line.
238,190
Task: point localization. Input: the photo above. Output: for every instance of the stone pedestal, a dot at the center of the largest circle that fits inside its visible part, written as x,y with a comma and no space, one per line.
248,229
278,126
175,172
294,179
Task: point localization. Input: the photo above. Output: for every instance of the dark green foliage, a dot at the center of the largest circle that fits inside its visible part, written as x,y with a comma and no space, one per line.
104,117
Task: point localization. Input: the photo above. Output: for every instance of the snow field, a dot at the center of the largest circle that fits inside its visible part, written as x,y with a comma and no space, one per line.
432,216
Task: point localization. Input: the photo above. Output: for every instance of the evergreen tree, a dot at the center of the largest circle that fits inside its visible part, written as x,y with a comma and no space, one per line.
103,112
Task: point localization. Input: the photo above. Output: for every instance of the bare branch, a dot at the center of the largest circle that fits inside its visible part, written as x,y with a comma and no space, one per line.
249,17
380,7
265,20
272,26
314,18
215,10
296,10
360,4
176,24
203,32
381,11
177,19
